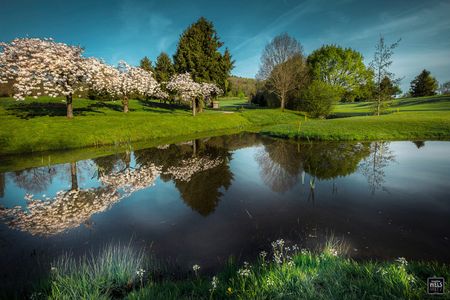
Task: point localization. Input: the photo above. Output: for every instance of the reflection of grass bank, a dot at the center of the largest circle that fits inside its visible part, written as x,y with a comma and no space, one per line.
287,272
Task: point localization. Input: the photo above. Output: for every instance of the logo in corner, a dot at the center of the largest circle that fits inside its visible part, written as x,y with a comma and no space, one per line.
435,285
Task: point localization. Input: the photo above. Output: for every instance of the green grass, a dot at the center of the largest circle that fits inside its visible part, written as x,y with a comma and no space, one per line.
27,127
113,272
40,125
294,274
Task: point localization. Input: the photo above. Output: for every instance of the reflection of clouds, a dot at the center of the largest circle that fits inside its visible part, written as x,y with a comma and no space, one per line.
69,209
191,166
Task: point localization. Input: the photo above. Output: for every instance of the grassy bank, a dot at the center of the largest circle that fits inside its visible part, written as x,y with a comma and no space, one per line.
286,272
40,125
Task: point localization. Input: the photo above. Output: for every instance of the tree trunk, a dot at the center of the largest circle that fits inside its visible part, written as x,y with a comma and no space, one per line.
73,173
125,104
69,106
282,102
199,105
378,106
193,107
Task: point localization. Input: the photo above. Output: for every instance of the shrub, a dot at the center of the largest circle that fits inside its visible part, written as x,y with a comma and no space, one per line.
319,98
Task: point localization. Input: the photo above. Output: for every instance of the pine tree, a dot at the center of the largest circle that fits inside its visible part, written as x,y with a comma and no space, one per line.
164,68
424,85
146,64
198,53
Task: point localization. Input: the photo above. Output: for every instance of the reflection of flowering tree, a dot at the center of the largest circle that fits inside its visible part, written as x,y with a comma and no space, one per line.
132,180
69,209
189,167
373,166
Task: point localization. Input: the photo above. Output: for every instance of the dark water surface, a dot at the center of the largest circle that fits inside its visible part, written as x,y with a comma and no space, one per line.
202,201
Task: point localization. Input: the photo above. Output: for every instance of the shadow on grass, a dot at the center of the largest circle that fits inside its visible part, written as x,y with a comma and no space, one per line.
109,105
162,107
39,109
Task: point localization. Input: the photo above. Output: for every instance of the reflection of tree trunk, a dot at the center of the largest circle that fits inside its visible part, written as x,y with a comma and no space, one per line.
127,159
2,185
69,106
73,172
125,104
195,145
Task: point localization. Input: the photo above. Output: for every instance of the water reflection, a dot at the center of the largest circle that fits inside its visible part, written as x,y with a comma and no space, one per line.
373,166
34,180
199,169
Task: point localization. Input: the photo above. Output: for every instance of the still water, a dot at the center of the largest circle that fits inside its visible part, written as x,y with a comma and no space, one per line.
202,201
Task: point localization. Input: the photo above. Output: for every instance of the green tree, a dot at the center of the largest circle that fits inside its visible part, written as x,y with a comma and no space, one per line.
198,53
164,68
342,68
283,67
424,85
146,64
319,98
287,77
389,88
380,65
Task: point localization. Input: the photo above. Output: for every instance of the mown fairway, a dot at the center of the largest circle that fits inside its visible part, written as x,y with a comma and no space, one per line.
38,125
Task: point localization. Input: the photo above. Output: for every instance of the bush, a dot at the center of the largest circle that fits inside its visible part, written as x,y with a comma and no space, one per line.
319,98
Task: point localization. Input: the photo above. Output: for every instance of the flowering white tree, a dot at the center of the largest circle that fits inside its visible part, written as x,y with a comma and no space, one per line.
192,92
43,66
133,80
104,77
209,91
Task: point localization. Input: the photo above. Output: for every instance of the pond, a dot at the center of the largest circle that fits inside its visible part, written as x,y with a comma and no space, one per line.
202,201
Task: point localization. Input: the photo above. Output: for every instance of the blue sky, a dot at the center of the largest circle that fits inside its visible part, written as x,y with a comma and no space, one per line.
131,29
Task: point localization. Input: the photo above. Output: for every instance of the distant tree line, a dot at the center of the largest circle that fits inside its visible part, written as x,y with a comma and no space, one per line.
287,78
241,87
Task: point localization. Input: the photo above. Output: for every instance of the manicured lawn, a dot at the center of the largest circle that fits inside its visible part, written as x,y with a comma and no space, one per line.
39,125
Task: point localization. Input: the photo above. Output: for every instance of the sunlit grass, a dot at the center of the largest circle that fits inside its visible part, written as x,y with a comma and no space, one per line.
284,272
113,272
40,125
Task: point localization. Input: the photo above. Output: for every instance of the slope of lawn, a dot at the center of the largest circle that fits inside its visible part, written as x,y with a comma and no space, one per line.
40,125
405,119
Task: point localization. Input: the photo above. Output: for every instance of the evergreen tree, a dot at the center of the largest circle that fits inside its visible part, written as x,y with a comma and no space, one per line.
424,85
198,53
164,68
389,88
146,64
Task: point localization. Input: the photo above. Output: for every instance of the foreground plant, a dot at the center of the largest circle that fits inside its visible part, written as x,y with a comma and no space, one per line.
287,272
112,273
